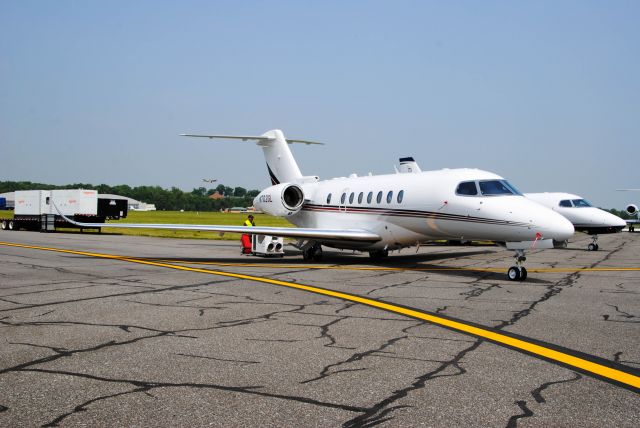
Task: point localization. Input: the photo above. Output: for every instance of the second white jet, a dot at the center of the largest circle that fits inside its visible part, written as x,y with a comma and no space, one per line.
584,216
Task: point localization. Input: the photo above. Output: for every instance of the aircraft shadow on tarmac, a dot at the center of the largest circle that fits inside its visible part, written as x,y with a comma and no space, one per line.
346,258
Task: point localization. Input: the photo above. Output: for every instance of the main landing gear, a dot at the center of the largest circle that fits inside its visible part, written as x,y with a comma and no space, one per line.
312,253
378,254
594,244
518,272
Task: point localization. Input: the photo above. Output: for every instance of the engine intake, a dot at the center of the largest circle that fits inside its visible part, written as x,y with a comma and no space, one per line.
632,209
280,200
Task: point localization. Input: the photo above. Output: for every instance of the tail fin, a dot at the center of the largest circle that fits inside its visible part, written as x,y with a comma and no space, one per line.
281,165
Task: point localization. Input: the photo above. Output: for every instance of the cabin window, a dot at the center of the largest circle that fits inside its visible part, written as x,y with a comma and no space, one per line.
389,196
467,188
369,197
581,203
343,198
351,197
379,197
360,197
566,203
400,196
328,198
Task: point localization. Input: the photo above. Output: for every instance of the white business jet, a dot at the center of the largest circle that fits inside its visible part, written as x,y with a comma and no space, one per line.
584,216
387,212
631,209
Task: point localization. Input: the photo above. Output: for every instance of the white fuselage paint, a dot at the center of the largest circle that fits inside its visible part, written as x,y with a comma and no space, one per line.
430,209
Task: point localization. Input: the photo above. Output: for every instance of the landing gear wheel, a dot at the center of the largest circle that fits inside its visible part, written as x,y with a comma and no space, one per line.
11,225
523,274
592,247
514,273
313,253
597,247
317,254
378,254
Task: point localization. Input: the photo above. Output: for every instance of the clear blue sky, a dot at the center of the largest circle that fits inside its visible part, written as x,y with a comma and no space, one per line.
545,93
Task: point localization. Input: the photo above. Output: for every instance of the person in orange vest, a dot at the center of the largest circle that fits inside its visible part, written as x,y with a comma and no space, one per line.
245,239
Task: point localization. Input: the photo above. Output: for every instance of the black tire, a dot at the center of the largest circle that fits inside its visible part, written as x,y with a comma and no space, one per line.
317,254
597,247
513,273
3,225
378,254
11,225
591,247
523,274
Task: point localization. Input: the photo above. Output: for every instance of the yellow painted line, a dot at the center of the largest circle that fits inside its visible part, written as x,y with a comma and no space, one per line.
385,268
615,375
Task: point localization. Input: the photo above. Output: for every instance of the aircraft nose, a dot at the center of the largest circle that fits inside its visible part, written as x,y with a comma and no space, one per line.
558,227
615,220
562,230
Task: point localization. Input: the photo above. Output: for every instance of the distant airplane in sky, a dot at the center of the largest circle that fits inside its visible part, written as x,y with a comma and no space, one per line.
584,217
209,180
380,213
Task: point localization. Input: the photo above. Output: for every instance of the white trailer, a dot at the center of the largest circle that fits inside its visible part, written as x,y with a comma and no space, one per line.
41,209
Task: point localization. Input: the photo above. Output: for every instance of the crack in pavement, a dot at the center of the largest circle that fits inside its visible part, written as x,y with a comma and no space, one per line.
526,413
325,372
379,412
107,296
537,393
146,386
241,362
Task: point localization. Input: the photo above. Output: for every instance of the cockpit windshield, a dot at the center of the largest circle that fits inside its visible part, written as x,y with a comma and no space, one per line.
497,187
581,203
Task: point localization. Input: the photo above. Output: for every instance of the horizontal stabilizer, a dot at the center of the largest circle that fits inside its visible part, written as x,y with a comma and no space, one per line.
249,138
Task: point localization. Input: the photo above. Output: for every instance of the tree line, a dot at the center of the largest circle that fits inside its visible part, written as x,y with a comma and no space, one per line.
172,199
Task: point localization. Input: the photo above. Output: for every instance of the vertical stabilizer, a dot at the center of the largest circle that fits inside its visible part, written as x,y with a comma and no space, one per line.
281,165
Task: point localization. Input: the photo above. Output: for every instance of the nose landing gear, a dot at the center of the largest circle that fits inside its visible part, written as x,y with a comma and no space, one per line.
518,272
593,246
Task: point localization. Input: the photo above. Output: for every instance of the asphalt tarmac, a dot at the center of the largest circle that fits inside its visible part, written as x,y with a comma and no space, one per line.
100,330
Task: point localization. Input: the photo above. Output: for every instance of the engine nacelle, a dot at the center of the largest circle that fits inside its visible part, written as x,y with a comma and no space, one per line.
632,209
280,200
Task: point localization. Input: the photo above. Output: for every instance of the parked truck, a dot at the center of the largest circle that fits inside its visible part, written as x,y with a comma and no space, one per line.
41,209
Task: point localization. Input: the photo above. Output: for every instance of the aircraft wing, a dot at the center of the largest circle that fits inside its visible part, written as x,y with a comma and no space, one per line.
632,221
285,232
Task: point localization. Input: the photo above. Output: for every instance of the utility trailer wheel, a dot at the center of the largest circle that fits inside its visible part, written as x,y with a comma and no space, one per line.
3,225
513,273
11,225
